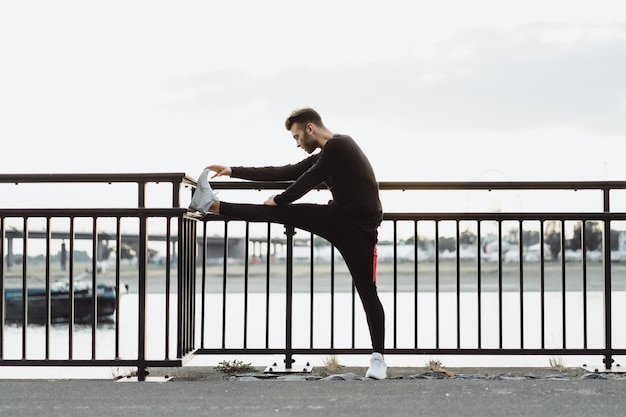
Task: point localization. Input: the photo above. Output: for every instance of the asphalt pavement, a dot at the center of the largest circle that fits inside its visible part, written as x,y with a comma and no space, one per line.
475,393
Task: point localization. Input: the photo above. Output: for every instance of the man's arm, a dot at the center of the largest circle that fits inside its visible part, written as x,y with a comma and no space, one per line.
220,170
271,173
329,161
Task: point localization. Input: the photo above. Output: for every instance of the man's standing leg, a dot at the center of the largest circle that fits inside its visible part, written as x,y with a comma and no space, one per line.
359,253
357,247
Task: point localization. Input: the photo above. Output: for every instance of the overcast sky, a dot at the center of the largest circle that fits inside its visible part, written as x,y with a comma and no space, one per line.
433,90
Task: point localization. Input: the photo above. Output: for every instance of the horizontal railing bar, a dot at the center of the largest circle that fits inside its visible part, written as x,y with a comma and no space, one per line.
524,216
94,178
506,216
414,351
90,362
268,185
169,212
441,185
92,212
503,185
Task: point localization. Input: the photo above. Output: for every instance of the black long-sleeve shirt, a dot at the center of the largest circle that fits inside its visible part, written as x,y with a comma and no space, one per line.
341,165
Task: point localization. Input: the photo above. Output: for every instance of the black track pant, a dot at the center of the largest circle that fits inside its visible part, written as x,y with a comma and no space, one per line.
355,242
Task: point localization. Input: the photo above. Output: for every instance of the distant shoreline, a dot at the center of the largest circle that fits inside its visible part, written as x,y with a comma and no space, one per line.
404,273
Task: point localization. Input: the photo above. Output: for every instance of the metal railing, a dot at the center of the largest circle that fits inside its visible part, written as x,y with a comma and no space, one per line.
47,314
220,286
454,280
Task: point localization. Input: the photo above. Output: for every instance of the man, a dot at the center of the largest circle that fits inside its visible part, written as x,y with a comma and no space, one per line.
350,221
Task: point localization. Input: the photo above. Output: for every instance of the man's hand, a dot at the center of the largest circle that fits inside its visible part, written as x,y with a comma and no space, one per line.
220,170
270,201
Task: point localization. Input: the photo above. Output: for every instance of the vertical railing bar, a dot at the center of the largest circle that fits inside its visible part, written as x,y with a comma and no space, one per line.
542,284
500,289
185,275
267,285
143,278
143,267
479,284
94,286
48,297
185,246
118,258
246,273
183,270
70,295
415,285
224,280
608,284
189,280
175,194
190,244
184,231
332,296
141,194
290,232
192,241
521,282
203,275
458,285
395,284
583,244
437,329
353,314
312,291
187,265
168,279
563,286
24,288
2,291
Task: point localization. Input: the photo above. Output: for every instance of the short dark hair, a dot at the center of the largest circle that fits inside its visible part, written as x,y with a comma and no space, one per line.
303,117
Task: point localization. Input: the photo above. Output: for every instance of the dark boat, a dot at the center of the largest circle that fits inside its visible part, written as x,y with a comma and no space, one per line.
59,302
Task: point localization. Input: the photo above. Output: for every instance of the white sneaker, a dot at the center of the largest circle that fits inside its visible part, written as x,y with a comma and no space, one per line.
204,195
378,367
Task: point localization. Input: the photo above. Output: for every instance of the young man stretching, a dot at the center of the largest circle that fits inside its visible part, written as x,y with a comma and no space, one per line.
350,221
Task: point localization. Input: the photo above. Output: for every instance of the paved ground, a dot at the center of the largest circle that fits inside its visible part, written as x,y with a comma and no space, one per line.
569,393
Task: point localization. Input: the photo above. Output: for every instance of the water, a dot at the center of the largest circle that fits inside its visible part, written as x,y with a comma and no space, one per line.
399,335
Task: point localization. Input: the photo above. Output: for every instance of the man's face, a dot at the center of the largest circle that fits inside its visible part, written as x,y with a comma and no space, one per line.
304,139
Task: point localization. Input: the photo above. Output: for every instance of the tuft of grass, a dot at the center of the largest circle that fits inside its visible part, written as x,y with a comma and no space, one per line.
234,367
557,363
437,366
331,364
123,372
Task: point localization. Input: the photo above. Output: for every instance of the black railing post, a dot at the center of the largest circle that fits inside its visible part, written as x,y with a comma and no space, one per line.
289,232
608,323
24,290
143,268
186,285
2,237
